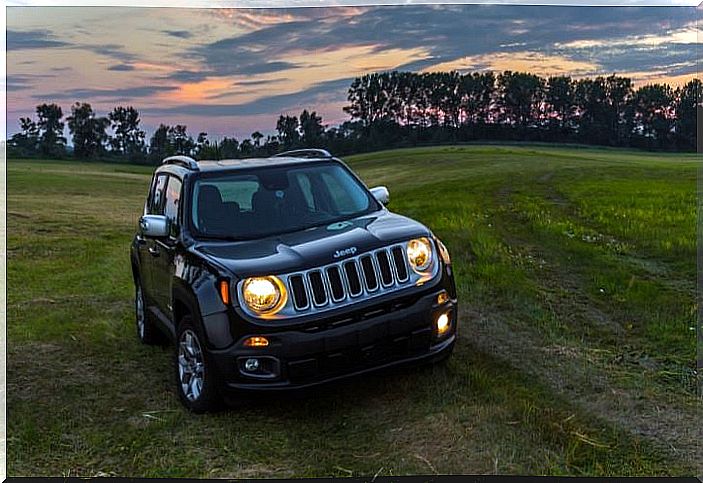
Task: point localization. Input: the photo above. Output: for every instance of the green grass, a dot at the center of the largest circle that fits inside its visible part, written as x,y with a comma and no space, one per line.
576,272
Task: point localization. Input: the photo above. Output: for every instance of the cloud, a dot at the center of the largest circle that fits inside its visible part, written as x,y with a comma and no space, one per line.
447,32
315,52
32,39
239,69
533,62
266,105
114,51
87,94
21,82
188,76
121,67
179,34
261,82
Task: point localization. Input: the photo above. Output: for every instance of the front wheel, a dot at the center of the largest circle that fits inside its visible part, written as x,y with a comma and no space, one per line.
196,375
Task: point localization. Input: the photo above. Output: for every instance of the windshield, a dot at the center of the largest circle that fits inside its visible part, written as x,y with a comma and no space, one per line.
276,200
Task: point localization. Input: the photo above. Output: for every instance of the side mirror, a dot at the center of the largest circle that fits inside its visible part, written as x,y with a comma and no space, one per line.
381,194
153,225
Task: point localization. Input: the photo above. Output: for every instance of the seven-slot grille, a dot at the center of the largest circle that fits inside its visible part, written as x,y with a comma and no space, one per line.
368,273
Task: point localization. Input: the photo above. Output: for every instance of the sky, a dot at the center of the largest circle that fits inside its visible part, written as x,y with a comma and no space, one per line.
231,71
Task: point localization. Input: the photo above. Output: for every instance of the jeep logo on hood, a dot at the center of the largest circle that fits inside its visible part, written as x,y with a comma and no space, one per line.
345,252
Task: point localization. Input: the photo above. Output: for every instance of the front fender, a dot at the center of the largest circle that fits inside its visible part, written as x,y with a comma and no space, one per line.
195,291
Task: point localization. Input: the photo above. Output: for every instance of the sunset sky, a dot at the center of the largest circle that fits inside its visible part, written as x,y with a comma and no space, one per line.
232,71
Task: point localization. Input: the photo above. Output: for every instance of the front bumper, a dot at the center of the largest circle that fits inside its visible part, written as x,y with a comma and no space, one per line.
379,337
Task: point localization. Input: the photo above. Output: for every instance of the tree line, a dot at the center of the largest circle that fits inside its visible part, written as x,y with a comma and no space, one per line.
603,110
397,109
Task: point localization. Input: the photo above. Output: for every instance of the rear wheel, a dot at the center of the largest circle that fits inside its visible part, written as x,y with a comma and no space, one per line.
146,331
196,375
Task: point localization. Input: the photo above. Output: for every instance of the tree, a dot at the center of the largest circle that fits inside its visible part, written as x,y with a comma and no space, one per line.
688,102
476,93
287,127
618,92
50,129
206,149
520,97
653,113
229,148
128,138
592,117
311,128
88,131
26,142
159,145
202,145
257,137
271,146
180,141
561,102
246,147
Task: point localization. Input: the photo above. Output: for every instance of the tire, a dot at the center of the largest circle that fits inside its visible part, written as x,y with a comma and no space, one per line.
147,332
197,381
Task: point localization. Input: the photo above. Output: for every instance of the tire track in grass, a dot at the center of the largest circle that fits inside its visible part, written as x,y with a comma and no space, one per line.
583,369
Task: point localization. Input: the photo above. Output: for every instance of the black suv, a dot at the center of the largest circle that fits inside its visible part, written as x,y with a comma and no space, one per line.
282,273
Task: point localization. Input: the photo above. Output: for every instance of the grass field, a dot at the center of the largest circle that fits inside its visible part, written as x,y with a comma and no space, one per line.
576,270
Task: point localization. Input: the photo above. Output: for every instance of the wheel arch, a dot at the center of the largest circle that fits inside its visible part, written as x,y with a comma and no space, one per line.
206,308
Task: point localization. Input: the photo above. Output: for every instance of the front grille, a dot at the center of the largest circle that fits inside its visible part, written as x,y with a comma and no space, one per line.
300,297
319,294
370,273
336,283
401,270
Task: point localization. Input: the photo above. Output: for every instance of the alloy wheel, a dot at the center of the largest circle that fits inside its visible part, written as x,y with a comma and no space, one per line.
191,365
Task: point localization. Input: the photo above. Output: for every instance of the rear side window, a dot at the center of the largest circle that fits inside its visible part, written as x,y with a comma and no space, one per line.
172,202
156,197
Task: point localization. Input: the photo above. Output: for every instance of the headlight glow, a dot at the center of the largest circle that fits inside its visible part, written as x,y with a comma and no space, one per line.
264,295
419,251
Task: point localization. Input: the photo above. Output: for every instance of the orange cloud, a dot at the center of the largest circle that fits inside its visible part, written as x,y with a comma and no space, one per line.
644,78
199,91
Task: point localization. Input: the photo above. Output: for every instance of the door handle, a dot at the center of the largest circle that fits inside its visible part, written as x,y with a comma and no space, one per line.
154,251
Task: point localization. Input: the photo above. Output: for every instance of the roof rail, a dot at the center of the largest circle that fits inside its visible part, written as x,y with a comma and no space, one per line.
185,161
304,153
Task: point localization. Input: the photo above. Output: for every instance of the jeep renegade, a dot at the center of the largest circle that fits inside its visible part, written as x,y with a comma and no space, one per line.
283,273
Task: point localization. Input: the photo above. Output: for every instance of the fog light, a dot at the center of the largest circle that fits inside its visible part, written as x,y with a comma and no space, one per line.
442,323
251,365
256,341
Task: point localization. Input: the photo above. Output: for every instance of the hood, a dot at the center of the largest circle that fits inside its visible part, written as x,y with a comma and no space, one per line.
312,247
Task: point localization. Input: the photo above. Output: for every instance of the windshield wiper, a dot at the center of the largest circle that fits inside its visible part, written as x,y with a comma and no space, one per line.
219,237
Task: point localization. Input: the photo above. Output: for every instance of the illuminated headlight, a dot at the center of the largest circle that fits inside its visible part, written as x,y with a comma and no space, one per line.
419,252
264,295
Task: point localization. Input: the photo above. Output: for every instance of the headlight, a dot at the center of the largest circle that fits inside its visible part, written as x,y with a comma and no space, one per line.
265,295
419,253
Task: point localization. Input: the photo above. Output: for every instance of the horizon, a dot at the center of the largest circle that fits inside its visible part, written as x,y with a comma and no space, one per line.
230,72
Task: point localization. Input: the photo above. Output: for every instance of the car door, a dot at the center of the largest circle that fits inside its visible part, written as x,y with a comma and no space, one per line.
164,249
154,206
